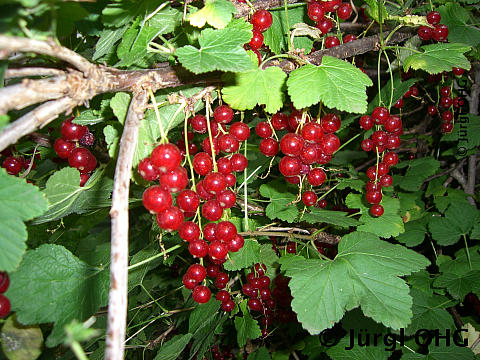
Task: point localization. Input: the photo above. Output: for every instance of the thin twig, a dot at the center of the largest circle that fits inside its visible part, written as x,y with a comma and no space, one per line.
32,71
117,298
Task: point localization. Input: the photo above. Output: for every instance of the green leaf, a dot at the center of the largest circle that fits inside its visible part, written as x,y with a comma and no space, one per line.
65,196
389,224
365,273
173,347
216,13
453,196
280,206
88,117
338,218
418,171
245,90
465,134
461,265
246,326
399,89
437,58
276,36
459,285
456,18
136,276
63,288
219,50
354,184
251,253
376,10
19,202
112,138
459,220
442,352
303,43
108,38
119,105
342,351
201,314
260,354
475,234
429,312
21,342
336,83
415,232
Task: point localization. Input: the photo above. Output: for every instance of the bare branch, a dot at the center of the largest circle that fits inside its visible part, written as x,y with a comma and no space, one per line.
35,119
10,44
117,299
30,92
32,71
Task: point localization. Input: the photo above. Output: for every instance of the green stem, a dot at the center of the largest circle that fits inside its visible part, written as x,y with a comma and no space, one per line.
468,251
391,79
245,210
210,137
378,79
285,5
78,350
154,257
349,141
157,114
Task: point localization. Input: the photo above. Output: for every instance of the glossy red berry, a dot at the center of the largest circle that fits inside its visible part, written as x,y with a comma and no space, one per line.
447,127
170,219
309,155
231,180
446,102
316,177
228,305
189,231
198,248
263,129
379,137
217,250
188,200
239,162
156,199
269,147
223,296
175,180
380,114
315,11
256,41
226,198
228,143
386,180
199,124
196,272
254,304
331,41
147,171
13,165
332,5
457,71
166,157
290,166
212,210
279,121
390,158
434,18
399,104
83,179
445,91
4,282
312,132
344,11
71,131
189,283
374,197
447,116
82,159
223,114
432,110
5,306
330,123
322,203
324,25
440,33
376,210
424,32
225,231
212,270
366,122
63,147
348,38
207,146
292,144
202,163
240,131
201,294
367,145
393,123
214,182
309,198
209,231
261,20
329,144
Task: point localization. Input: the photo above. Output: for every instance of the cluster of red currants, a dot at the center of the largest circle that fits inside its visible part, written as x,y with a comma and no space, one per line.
164,165
317,11
257,289
4,302
261,21
437,31
446,103
380,141
283,299
307,142
71,146
225,354
14,164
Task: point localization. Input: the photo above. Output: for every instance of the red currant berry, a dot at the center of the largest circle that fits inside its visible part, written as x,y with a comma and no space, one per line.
189,283
393,142
374,197
198,248
254,304
4,282
324,159
329,144
225,231
221,280
156,199
223,296
366,122
291,247
312,132
5,306
240,131
256,41
189,231
202,163
269,147
196,272
316,177
309,155
348,38
445,91
188,200
446,102
201,294
261,20
147,171
331,41
376,210
330,123
236,243
447,116
239,162
309,198
379,137
399,104
71,131
228,305
175,180
207,146
424,32
447,127
440,33
432,110
344,11
226,198
332,5
294,120
457,71
214,182
279,121
380,115
13,165
170,219
322,204
228,143
393,123
199,124
434,17
212,270
223,114
63,147
290,166
324,25
230,179
166,157
390,158
367,145
315,11
386,180
212,211
82,159
263,130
